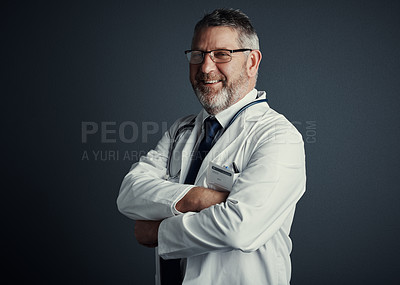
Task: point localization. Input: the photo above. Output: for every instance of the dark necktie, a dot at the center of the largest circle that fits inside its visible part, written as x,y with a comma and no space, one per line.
170,269
211,126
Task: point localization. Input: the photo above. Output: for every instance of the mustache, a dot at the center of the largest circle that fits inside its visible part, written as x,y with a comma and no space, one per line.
209,77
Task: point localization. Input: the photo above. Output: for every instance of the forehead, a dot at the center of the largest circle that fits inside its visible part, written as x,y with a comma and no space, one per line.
215,37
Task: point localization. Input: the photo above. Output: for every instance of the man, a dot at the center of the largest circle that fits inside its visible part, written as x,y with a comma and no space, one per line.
218,192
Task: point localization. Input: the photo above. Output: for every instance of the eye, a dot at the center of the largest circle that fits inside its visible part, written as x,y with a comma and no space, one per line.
222,54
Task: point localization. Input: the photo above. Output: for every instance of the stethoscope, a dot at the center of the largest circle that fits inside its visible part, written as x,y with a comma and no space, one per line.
189,126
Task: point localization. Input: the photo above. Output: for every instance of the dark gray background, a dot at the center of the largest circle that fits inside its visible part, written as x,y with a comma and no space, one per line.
334,64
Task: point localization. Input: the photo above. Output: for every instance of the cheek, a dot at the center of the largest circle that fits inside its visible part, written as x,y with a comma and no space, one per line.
233,72
226,73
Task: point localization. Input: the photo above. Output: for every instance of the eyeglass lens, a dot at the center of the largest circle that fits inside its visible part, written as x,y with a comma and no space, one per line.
196,57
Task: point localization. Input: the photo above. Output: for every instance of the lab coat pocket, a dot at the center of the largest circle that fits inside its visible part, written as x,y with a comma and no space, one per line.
219,177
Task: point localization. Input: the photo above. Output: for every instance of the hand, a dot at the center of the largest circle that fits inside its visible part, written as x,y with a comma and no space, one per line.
146,232
199,198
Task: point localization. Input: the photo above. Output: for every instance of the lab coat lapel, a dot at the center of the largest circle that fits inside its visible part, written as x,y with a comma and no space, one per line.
187,150
231,135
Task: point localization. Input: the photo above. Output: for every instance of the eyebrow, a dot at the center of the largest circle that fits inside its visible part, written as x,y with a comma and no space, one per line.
214,48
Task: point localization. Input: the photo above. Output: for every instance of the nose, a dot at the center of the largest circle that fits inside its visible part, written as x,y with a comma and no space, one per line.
208,64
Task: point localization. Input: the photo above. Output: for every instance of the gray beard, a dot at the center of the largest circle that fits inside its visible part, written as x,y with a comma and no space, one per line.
226,97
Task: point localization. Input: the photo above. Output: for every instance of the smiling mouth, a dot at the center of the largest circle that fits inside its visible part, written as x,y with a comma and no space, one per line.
211,81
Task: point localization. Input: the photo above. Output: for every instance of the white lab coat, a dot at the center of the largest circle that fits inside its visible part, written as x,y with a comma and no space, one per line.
244,240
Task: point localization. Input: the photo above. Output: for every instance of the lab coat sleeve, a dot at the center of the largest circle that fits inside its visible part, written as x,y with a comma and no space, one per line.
261,200
145,194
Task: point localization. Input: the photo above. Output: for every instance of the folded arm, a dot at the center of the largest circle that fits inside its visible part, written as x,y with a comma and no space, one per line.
259,205
197,199
145,193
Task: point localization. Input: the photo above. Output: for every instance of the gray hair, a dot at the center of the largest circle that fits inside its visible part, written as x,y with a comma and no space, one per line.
235,19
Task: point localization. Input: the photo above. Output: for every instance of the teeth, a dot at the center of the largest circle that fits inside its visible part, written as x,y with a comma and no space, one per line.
210,82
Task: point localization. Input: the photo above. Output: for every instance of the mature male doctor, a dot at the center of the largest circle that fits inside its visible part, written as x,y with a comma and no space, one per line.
217,195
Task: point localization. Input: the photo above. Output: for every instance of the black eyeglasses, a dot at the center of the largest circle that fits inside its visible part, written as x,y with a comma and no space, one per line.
217,55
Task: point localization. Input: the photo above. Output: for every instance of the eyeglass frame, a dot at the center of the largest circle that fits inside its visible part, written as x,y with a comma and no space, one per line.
211,52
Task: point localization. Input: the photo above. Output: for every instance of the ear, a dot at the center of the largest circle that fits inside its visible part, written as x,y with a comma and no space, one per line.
253,62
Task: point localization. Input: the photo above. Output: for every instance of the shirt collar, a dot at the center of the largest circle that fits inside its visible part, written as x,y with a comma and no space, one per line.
226,115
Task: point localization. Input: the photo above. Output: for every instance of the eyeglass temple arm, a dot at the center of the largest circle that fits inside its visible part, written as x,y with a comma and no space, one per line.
230,50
